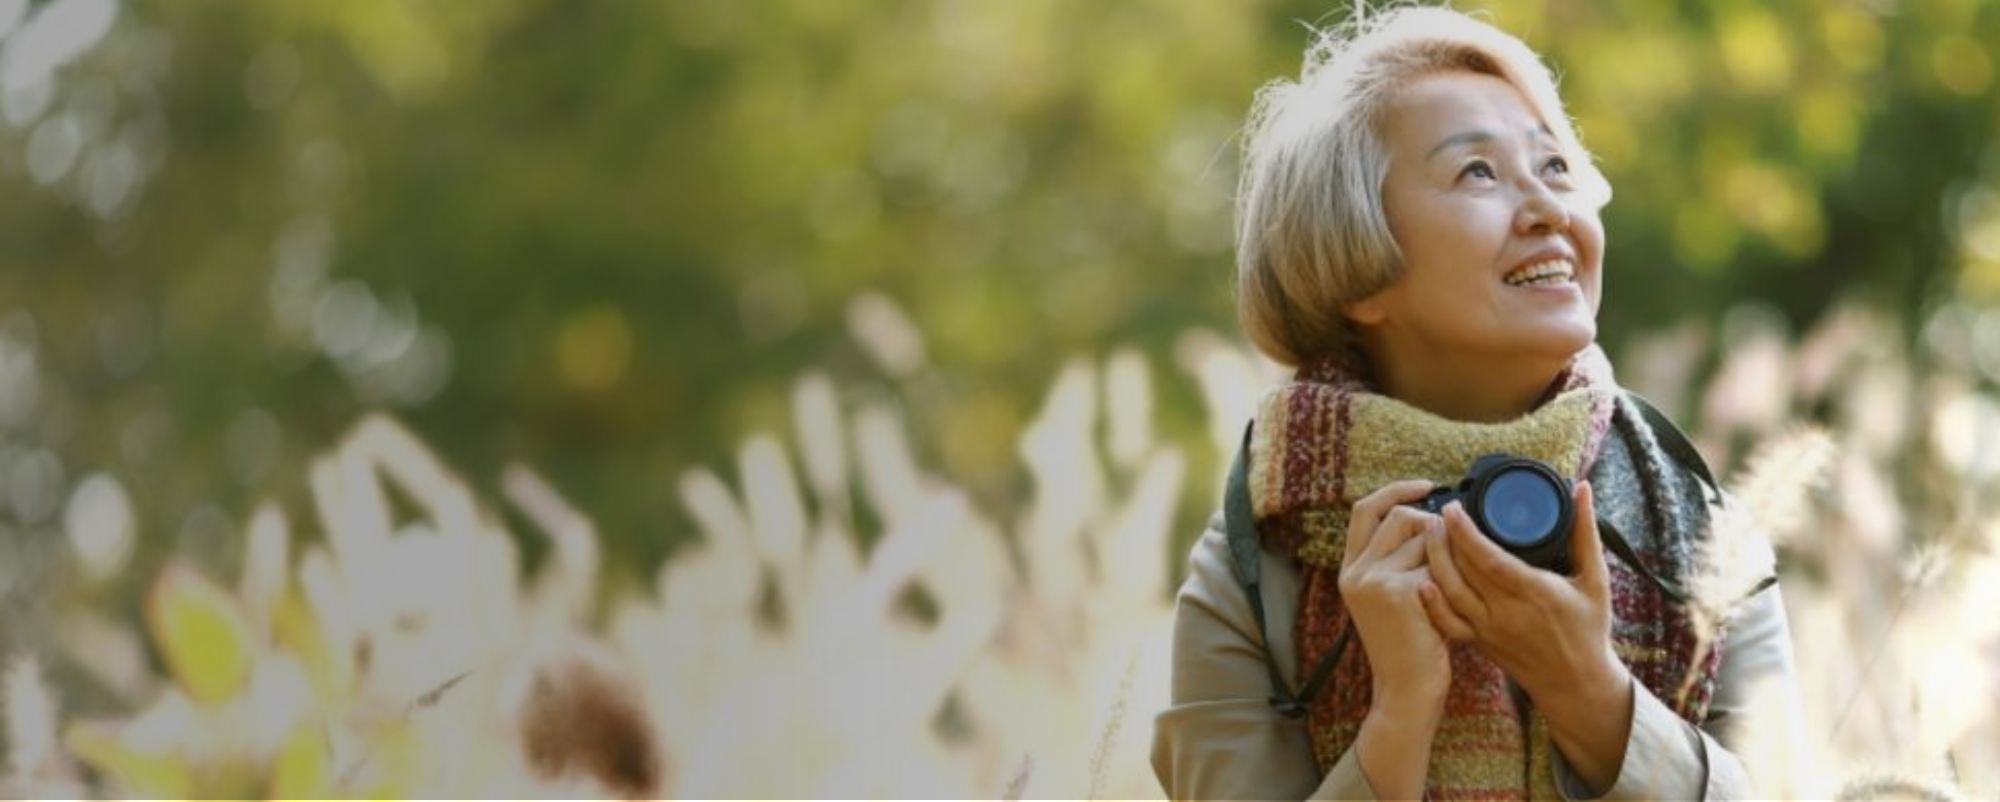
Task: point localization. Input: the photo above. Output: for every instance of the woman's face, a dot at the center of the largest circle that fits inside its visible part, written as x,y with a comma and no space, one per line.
1502,255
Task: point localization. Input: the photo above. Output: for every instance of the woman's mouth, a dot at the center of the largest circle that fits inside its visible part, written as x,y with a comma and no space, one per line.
1546,273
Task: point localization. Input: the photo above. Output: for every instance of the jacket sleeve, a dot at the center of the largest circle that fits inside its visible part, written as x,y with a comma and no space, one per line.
1220,738
1756,697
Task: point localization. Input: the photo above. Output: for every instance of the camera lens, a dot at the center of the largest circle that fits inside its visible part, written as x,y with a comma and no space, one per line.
1521,506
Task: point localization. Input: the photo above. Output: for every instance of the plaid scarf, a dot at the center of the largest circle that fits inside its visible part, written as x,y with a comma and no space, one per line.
1327,439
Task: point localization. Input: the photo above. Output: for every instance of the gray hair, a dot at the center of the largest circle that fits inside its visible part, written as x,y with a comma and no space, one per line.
1311,234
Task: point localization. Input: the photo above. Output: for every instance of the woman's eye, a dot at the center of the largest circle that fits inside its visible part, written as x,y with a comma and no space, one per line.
1481,169
1557,163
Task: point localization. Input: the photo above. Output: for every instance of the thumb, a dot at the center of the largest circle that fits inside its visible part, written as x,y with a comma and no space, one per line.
1586,549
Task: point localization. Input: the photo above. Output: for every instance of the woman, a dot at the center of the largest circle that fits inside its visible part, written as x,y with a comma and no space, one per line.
1418,235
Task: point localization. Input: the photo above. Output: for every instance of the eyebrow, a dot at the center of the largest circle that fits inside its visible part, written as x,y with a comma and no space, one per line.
1481,135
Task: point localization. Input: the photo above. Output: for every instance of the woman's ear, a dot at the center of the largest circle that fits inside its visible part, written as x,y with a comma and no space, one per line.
1369,311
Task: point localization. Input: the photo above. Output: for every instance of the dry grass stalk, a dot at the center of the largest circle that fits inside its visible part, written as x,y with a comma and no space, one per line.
1019,783
1099,760
1768,501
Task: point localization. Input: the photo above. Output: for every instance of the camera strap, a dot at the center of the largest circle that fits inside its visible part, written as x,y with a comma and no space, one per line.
1683,452
1239,525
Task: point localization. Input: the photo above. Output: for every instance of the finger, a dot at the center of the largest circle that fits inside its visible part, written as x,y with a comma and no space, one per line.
1586,544
1450,583
1398,527
1485,566
1447,621
1407,556
1367,514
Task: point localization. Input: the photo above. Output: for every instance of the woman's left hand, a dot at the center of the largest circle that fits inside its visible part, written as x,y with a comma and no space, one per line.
1550,633
1547,631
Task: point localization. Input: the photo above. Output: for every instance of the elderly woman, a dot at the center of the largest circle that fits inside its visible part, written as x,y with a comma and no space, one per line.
1418,236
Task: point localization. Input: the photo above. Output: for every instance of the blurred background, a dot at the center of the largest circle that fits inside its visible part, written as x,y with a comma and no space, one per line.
606,287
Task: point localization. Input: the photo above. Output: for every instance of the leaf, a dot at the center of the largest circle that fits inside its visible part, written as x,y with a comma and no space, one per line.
151,775
202,634
301,770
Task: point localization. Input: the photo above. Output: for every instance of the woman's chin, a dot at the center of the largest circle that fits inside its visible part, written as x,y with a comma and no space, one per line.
1563,342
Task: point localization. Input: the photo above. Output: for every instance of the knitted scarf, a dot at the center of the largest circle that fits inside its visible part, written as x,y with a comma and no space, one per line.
1325,440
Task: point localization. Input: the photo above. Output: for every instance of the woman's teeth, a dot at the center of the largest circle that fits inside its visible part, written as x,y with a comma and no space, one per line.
1553,271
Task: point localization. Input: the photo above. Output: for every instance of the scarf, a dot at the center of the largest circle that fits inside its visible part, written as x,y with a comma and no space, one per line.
1327,439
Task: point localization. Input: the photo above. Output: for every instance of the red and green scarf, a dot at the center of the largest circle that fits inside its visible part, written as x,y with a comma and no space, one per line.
1327,439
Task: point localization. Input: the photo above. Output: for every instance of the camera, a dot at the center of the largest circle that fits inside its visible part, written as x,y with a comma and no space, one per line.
1521,504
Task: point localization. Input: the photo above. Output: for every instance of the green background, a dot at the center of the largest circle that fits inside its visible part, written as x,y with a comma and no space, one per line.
606,239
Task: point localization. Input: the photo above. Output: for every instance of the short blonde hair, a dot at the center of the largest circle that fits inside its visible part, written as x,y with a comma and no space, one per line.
1311,234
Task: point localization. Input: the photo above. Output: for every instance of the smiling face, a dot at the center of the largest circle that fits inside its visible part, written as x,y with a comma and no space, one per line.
1501,253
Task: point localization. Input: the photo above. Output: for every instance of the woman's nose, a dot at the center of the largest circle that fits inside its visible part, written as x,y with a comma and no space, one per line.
1540,212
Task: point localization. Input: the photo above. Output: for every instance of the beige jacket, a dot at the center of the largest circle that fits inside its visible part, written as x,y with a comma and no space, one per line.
1221,739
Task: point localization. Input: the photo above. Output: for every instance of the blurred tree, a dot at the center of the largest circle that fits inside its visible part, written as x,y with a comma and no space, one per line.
607,238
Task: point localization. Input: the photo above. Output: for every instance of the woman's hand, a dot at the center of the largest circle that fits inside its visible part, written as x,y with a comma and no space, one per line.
1382,576
1550,633
1382,579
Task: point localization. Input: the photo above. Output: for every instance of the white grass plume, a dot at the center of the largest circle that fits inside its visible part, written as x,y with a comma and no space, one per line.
30,717
1769,502
1769,499
1897,787
1778,479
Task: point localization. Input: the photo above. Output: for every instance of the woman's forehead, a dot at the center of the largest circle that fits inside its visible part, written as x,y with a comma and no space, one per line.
1460,108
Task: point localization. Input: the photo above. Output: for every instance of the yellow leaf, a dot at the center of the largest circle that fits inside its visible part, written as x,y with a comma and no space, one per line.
301,769
149,775
201,633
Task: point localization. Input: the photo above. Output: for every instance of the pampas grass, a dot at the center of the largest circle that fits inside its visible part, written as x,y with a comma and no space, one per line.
409,652
1767,503
400,649
36,766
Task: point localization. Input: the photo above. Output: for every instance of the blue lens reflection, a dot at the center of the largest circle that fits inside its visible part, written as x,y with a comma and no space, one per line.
1521,506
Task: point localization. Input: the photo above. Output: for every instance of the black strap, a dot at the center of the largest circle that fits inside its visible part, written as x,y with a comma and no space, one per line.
1239,523
1689,458
1615,541
1319,674
1676,443
1623,550
1682,451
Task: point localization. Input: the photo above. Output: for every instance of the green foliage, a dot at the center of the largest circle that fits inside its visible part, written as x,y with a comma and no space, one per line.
603,238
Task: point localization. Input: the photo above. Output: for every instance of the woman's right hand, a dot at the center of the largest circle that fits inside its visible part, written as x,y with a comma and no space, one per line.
1382,574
